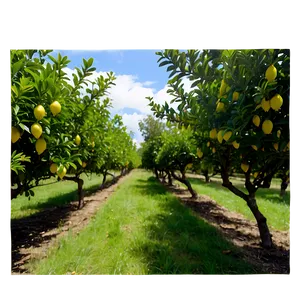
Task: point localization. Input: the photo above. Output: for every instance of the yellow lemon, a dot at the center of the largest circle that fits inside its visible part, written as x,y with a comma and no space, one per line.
53,168
235,144
213,133
227,135
244,167
235,96
55,108
62,173
36,130
39,112
40,146
256,120
255,174
77,140
199,153
93,144
15,134
276,102
83,164
276,146
271,73
208,144
265,104
223,87
220,107
189,166
278,133
220,136
267,126
214,150
254,147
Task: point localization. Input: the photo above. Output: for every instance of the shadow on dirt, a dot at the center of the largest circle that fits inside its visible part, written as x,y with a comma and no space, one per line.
31,231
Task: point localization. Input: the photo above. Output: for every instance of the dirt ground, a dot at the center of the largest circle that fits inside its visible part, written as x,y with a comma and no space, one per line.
34,235
241,232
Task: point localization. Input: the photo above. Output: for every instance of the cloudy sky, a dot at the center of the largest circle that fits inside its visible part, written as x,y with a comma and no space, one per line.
138,76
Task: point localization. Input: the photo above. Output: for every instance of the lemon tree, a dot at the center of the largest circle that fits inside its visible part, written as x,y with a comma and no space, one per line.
253,87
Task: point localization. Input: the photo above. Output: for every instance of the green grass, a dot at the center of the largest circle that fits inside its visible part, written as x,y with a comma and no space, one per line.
56,194
274,208
143,229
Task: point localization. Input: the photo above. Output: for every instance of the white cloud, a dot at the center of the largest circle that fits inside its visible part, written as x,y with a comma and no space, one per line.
128,92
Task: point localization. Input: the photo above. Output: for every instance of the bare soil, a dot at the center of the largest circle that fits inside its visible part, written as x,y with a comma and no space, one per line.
34,235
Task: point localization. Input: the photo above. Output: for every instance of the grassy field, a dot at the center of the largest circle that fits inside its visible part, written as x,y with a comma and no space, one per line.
143,229
53,194
275,208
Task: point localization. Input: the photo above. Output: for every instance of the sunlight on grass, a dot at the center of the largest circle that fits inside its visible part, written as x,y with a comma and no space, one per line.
54,194
143,229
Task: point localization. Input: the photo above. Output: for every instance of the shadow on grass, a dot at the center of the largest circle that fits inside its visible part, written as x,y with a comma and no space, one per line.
180,243
30,231
270,194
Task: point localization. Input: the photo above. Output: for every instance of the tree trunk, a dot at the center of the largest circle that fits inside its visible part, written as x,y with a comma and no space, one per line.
267,181
80,192
264,231
283,186
170,183
156,173
103,180
205,173
186,182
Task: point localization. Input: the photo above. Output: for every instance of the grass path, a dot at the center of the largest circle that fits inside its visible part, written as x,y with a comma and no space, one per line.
143,229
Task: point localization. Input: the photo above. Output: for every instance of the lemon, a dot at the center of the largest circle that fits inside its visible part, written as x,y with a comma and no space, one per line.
62,173
255,174
189,166
213,133
223,87
220,136
235,144
276,102
93,144
214,150
235,96
227,135
15,134
265,104
53,168
278,133
254,147
36,130
77,140
267,126
244,167
199,153
256,120
83,164
220,107
39,112
55,108
288,145
40,146
271,73
208,144
276,146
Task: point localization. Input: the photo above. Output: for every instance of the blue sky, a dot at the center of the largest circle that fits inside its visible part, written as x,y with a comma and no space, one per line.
138,76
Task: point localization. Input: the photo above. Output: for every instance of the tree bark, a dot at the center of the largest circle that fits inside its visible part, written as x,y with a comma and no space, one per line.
284,185
80,192
183,180
267,181
205,173
170,183
103,180
156,173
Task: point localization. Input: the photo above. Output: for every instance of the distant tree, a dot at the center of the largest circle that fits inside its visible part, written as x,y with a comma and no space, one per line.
151,128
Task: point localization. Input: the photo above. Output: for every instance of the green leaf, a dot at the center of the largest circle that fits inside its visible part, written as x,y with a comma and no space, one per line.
166,62
24,127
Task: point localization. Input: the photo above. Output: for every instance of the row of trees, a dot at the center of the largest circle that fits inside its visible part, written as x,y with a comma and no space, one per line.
238,113
61,126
